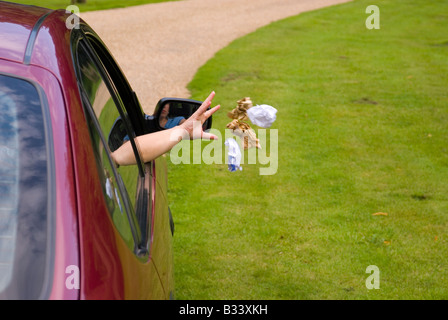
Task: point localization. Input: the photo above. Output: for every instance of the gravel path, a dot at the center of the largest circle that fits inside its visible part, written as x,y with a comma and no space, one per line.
160,46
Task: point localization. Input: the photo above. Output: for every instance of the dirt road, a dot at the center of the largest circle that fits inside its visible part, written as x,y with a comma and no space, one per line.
160,46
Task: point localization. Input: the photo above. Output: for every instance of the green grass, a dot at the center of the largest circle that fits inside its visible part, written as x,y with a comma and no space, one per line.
91,5
363,128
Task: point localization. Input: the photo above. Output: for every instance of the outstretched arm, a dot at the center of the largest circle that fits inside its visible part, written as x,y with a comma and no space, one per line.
155,144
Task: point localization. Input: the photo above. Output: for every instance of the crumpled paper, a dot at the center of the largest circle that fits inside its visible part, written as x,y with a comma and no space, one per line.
262,115
234,155
240,110
237,124
245,132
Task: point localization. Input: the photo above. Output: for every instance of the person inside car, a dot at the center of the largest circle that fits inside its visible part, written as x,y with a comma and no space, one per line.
168,122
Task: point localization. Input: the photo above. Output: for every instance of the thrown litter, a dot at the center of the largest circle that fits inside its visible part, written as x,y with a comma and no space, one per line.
234,155
262,115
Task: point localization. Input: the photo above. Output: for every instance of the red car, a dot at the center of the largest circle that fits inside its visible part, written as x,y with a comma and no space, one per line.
74,225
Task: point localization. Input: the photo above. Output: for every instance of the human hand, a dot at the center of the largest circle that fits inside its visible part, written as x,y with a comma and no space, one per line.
193,125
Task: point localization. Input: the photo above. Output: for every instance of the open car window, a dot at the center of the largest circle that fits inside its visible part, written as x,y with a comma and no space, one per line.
110,127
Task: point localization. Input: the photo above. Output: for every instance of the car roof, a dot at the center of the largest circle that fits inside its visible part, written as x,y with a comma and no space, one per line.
37,36
19,25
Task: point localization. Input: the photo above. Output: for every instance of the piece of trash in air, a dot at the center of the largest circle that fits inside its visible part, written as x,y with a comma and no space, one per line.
245,132
262,115
234,155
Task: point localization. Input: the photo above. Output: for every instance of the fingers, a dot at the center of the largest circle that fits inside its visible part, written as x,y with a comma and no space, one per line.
208,113
203,114
208,136
210,97
207,102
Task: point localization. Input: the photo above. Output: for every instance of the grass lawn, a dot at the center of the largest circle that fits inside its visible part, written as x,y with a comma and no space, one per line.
90,5
363,128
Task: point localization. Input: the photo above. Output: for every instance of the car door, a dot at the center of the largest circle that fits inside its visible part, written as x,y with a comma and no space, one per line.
114,117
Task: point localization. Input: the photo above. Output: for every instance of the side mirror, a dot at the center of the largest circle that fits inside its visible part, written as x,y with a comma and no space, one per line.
171,112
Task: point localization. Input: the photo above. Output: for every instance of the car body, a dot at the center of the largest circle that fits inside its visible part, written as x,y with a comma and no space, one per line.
73,225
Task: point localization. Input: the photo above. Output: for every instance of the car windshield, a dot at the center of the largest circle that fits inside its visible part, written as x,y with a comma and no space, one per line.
24,205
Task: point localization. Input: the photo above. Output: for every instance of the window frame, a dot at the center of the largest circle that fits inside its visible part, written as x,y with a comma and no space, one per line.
47,281
140,217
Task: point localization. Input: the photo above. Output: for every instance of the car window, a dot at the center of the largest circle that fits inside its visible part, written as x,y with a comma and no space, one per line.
119,184
25,199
